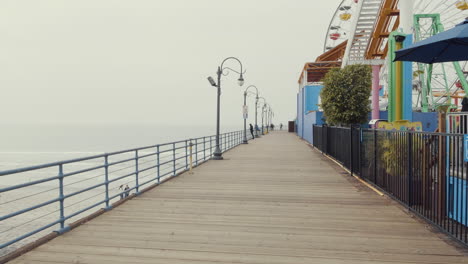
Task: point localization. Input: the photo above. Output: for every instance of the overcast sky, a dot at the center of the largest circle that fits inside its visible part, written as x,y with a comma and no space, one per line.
146,61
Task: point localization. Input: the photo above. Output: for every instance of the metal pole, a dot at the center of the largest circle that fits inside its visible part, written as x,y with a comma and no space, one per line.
375,157
263,111
266,117
256,125
410,169
217,155
196,152
186,154
106,171
245,119
159,166
375,91
351,149
137,171
62,208
174,159
191,159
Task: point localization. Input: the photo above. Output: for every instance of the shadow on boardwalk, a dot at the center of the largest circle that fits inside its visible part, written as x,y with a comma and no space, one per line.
272,201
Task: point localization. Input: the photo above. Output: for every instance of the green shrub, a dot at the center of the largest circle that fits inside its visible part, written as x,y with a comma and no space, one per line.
346,93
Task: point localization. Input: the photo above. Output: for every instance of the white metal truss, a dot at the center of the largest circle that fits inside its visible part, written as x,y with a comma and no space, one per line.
365,17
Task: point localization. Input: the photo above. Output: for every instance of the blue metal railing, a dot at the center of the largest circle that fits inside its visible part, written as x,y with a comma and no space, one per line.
53,194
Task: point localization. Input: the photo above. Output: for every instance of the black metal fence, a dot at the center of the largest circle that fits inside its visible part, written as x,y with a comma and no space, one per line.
424,171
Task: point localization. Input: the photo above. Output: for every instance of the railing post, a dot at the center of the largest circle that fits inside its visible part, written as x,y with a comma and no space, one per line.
410,169
351,149
375,156
137,171
186,155
191,159
223,140
196,152
174,159
359,153
211,146
158,165
204,149
106,171
62,208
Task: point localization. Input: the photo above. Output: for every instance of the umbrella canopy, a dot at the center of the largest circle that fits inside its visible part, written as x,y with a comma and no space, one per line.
450,45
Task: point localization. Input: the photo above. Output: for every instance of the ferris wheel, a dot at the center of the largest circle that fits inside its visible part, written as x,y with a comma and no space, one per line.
438,84
340,24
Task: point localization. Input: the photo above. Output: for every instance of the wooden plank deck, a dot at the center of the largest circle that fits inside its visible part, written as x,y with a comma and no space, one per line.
272,201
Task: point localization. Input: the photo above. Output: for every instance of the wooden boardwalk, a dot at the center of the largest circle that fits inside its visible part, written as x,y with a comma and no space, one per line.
272,201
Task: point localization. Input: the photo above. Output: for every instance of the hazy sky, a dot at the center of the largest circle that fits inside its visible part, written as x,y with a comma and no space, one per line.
146,61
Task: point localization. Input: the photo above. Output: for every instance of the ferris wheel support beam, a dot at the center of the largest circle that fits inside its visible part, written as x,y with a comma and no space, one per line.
353,29
406,16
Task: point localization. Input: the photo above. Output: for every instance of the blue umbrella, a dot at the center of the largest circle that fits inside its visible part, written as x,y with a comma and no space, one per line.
450,45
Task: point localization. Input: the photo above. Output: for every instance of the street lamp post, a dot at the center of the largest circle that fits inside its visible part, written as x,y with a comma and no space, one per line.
267,114
271,116
217,154
264,118
245,106
264,103
267,109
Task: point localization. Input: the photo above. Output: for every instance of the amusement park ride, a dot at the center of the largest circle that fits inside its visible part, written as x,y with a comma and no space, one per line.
370,31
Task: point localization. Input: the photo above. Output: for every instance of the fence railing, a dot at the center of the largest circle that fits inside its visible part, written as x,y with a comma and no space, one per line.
424,171
48,197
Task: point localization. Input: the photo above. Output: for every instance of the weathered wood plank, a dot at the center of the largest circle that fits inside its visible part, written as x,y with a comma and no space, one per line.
272,201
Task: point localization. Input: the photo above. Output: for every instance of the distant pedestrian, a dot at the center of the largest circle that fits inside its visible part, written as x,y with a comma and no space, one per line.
465,104
272,127
251,131
121,188
281,126
127,191
464,123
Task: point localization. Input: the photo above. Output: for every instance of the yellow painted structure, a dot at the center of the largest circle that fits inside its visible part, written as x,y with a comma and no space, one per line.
462,5
402,125
345,16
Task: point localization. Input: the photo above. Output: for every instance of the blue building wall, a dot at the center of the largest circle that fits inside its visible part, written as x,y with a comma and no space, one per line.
312,94
307,101
430,121
300,113
311,119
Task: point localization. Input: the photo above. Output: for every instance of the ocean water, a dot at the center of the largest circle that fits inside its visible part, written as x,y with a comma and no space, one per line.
28,145
24,145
